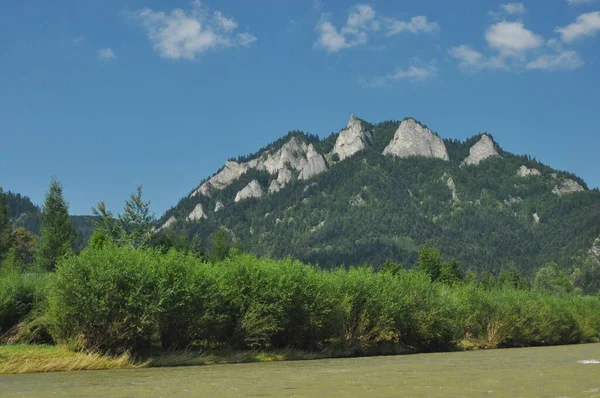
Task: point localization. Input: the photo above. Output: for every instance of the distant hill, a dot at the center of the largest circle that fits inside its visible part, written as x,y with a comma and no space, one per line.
23,213
380,191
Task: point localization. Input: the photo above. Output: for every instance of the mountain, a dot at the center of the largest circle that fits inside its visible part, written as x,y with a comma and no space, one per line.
380,191
24,213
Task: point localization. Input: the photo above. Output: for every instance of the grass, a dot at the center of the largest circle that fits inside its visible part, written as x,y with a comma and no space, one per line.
22,358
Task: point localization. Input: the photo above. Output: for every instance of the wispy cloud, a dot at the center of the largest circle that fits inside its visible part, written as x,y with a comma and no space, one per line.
186,34
585,25
560,60
576,2
412,73
414,25
362,21
513,8
105,54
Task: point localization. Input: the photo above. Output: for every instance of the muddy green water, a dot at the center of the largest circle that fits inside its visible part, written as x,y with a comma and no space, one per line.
566,371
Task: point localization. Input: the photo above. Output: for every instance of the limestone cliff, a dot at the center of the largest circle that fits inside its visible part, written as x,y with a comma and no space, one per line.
197,213
483,149
252,190
352,139
294,154
230,173
567,187
525,171
412,139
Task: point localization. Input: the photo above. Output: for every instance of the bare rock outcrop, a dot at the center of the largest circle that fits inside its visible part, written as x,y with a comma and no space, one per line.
451,186
483,149
412,139
595,249
283,178
252,190
352,139
525,171
230,173
197,213
172,220
357,200
219,206
567,187
315,164
293,155
536,218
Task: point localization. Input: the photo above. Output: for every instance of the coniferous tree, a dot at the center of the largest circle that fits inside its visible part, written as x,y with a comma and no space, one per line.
5,227
58,235
133,227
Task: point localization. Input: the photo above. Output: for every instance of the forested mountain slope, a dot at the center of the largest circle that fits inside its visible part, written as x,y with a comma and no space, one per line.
376,192
23,213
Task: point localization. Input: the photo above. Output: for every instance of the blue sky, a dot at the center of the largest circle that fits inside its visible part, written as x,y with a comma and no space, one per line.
108,95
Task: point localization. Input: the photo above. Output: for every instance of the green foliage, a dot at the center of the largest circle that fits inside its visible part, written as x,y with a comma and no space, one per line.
119,299
5,227
58,236
19,295
407,204
132,228
430,262
552,279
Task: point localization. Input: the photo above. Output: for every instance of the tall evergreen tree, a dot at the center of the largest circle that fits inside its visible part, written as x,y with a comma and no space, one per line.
133,227
58,235
5,227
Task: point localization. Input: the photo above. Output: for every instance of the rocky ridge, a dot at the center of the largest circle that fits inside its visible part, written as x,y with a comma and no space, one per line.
412,139
352,139
483,149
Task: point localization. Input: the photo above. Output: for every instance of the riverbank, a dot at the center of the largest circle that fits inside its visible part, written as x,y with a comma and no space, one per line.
23,358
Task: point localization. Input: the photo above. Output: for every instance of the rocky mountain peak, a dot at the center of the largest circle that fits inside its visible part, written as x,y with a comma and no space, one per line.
483,149
412,139
352,139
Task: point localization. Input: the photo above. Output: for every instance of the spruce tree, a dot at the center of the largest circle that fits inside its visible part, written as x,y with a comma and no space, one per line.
5,227
58,235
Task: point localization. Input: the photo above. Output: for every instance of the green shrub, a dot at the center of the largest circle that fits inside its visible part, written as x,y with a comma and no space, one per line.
19,295
107,299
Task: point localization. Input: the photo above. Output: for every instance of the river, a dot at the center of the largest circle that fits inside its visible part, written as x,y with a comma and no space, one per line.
564,371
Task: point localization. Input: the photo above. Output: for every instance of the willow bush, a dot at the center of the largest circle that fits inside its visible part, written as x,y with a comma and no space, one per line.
117,299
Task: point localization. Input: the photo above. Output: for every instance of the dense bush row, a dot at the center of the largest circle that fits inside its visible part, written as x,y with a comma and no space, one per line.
116,299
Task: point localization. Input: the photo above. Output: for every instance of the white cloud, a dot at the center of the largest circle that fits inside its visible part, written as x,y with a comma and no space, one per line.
227,24
585,25
513,8
185,34
560,60
415,25
245,39
512,38
362,16
467,57
472,60
575,2
412,73
362,20
105,54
